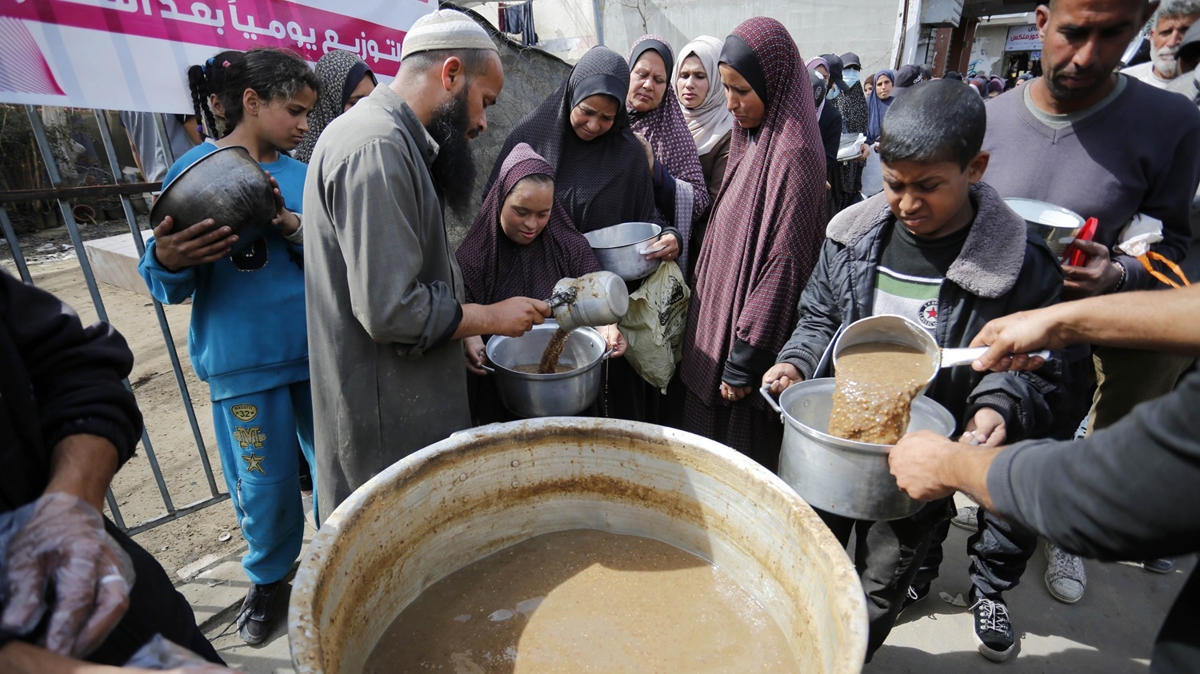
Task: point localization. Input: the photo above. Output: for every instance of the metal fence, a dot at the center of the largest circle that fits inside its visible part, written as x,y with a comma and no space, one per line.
62,195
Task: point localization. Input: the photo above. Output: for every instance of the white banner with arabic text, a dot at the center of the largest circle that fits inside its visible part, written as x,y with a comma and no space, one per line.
134,54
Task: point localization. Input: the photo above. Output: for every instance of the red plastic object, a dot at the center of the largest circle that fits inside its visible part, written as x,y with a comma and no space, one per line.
1074,256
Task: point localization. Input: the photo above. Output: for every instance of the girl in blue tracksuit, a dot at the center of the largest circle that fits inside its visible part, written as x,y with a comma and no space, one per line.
248,337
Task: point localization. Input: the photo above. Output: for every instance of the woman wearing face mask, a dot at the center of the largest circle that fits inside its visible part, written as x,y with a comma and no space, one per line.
521,244
679,188
702,101
877,105
603,177
853,105
763,239
345,79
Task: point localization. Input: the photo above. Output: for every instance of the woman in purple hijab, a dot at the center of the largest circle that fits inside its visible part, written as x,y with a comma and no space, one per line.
520,245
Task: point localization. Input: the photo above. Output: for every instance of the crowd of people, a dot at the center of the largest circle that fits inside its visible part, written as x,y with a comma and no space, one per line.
377,326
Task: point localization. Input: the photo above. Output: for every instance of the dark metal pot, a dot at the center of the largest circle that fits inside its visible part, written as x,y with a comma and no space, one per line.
548,395
227,186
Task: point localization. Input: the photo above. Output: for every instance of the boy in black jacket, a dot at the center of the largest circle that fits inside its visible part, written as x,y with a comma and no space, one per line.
941,248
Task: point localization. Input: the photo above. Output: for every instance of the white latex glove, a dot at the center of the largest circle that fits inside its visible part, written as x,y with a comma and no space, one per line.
64,546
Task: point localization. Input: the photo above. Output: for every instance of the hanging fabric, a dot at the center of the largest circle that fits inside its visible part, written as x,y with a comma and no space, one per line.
528,35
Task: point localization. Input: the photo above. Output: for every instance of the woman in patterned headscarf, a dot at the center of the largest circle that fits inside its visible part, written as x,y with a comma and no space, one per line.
603,178
697,82
763,239
345,79
521,244
679,187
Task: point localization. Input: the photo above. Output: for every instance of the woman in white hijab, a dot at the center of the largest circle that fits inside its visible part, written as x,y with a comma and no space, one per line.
702,98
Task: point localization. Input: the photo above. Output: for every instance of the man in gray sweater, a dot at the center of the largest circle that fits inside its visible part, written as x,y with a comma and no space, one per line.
1107,146
1126,490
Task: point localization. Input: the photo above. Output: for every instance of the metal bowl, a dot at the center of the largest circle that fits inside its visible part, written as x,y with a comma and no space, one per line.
1055,224
621,248
227,186
890,329
548,395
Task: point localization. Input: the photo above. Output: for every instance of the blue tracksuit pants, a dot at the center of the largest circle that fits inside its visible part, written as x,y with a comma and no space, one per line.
258,435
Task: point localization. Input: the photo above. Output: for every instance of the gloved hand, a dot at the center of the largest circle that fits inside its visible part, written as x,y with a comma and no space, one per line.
64,545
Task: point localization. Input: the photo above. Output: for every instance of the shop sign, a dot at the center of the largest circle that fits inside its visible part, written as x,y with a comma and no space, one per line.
1023,38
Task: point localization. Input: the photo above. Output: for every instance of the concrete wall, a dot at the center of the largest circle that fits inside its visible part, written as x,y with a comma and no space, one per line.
530,75
866,27
565,28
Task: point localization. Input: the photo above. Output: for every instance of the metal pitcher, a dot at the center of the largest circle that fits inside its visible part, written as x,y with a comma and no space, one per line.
592,300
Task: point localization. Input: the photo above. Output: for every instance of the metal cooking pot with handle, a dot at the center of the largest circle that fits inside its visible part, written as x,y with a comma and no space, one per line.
842,476
533,395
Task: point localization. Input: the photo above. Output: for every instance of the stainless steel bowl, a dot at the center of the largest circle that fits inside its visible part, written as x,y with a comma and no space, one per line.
621,248
890,329
548,395
844,477
1055,224
227,186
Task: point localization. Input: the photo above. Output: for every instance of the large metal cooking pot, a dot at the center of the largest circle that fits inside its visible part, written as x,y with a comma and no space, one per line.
227,186
622,248
485,489
548,395
842,476
1057,225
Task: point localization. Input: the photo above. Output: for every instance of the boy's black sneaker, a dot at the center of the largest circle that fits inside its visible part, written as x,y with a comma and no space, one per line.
993,629
914,595
258,614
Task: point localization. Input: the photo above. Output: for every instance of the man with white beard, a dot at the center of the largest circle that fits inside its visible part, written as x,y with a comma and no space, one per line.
1170,23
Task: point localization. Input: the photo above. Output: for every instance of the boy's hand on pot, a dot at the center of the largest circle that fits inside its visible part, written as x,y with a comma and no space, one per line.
986,428
781,376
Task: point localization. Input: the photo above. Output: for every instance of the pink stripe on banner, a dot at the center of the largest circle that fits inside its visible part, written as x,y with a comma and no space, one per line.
23,68
225,24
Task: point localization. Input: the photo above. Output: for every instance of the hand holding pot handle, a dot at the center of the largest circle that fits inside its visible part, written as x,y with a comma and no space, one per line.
781,375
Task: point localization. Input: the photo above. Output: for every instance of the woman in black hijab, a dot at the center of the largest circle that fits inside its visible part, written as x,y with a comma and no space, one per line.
603,178
582,129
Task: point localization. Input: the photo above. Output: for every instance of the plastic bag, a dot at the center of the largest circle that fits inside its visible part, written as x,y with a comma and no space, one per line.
653,327
1139,235
1136,240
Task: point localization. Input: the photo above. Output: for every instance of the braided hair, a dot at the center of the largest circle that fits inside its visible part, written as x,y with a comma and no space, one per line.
206,80
272,73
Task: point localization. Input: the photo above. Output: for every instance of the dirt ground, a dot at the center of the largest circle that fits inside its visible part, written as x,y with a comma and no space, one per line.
54,268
